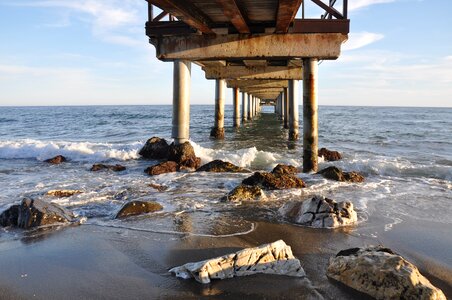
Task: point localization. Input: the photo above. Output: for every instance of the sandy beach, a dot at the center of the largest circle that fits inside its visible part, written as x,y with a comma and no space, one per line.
93,262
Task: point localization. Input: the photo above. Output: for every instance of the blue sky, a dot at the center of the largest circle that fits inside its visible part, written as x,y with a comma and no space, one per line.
66,52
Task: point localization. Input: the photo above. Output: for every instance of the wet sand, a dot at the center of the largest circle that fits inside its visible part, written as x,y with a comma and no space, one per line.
93,262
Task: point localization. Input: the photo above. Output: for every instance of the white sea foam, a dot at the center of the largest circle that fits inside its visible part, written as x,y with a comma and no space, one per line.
76,151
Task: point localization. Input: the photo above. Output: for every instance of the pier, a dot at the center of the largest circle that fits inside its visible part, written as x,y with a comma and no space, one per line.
259,49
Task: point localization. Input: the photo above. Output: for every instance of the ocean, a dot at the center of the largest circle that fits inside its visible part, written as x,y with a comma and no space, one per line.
404,153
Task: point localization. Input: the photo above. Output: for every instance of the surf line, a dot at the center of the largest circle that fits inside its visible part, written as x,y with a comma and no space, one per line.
253,227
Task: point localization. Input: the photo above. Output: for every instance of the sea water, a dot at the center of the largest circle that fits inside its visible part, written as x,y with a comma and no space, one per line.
404,153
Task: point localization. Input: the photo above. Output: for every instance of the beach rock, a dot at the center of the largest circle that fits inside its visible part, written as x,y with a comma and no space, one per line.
63,193
275,258
270,181
382,274
32,213
135,208
244,193
184,155
329,155
115,168
281,169
158,187
221,166
337,174
320,212
155,148
56,160
162,168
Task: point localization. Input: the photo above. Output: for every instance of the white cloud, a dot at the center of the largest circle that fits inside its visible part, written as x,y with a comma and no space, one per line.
361,39
357,4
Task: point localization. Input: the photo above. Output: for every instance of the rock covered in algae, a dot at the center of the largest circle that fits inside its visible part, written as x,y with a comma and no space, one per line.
134,208
329,155
219,166
244,193
275,258
33,213
320,212
337,174
382,274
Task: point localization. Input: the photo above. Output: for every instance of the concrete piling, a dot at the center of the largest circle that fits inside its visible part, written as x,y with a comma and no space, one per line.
310,117
249,116
217,131
293,110
286,108
181,101
236,111
244,106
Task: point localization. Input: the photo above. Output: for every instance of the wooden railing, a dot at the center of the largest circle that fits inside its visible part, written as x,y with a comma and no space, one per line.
330,11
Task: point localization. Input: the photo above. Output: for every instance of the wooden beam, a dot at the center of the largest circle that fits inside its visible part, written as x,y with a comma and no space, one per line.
233,12
255,62
287,9
234,83
258,46
255,90
321,26
186,12
331,10
240,72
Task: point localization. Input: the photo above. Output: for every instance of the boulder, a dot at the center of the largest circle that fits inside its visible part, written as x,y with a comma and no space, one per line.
270,181
337,174
56,160
32,213
329,155
244,193
63,193
320,212
155,148
221,166
135,208
184,155
162,168
275,258
281,169
115,168
382,274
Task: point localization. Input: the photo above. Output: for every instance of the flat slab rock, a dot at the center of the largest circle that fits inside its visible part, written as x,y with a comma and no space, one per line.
382,274
114,168
63,193
135,208
275,258
219,166
33,213
337,174
320,212
244,193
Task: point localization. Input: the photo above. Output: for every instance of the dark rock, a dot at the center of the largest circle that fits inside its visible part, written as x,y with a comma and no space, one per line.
244,193
281,169
329,155
115,168
135,208
56,160
184,155
337,174
63,193
9,217
217,133
32,213
270,181
221,166
155,148
162,168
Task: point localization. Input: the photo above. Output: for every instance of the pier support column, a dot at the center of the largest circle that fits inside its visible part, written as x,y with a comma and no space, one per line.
286,108
236,112
244,106
293,110
220,89
181,101
249,117
310,117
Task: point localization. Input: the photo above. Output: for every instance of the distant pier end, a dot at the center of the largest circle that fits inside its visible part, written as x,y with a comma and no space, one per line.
257,48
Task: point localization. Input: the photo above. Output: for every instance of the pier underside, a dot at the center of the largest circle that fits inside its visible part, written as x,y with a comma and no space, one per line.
257,48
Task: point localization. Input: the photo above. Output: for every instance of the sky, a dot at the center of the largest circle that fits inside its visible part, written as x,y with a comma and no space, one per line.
95,52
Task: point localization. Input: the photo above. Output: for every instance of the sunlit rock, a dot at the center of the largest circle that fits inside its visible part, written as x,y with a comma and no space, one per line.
162,168
63,193
219,166
184,155
337,174
329,155
135,208
244,193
